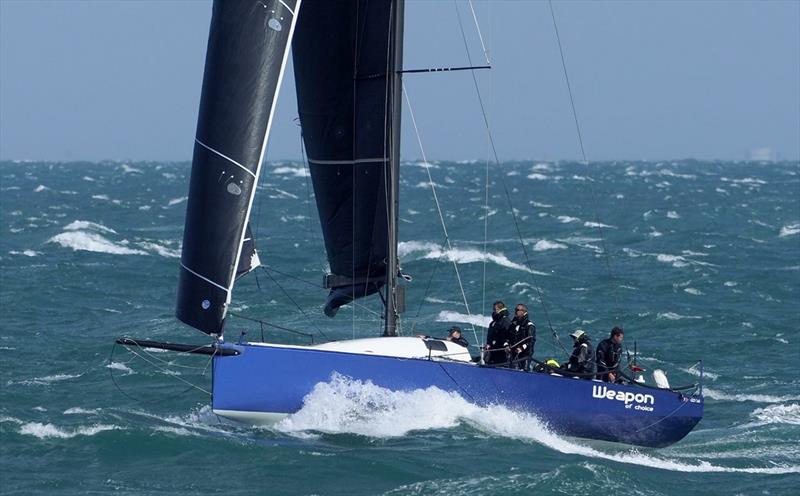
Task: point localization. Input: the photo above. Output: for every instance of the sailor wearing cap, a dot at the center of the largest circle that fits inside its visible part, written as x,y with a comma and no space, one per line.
580,362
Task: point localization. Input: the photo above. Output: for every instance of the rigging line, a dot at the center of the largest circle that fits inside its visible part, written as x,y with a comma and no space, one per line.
269,324
438,208
505,186
422,301
119,388
599,225
317,286
286,293
480,36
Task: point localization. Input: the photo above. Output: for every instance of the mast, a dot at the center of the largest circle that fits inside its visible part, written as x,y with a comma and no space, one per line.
394,293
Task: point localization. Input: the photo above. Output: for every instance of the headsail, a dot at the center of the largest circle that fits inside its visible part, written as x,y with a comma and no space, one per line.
248,46
344,62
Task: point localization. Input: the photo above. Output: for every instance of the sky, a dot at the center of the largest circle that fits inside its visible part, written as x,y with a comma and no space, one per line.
652,80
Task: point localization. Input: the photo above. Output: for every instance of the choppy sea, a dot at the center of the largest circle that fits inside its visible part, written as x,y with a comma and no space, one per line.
697,260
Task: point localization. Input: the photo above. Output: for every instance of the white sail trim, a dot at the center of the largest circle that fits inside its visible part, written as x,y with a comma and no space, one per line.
263,149
289,8
206,279
225,157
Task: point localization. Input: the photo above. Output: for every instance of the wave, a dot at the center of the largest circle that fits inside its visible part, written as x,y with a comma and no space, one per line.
49,379
161,250
80,411
82,225
121,367
432,251
44,431
475,319
27,253
756,398
789,230
88,241
345,406
597,224
676,316
778,414
291,171
543,245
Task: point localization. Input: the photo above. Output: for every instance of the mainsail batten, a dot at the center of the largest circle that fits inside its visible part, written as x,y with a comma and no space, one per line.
247,51
342,56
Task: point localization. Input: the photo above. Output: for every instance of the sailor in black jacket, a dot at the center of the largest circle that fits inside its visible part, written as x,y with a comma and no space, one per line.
580,362
497,339
609,356
522,338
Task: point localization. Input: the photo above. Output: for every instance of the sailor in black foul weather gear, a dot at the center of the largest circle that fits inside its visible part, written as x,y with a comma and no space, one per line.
454,335
609,356
580,362
497,339
522,338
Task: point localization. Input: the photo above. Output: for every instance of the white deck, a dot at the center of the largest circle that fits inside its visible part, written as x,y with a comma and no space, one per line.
401,347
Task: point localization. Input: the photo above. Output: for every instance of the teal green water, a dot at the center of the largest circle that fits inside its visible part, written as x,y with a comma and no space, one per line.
703,262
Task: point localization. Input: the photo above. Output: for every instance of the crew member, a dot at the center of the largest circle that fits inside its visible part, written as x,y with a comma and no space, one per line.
454,335
522,338
609,355
498,335
580,362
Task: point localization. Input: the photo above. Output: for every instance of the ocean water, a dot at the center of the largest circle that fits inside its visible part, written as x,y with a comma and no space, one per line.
697,260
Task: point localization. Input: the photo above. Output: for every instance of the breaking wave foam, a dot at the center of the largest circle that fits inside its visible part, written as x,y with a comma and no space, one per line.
345,406
476,320
757,398
543,245
778,414
89,241
44,431
432,251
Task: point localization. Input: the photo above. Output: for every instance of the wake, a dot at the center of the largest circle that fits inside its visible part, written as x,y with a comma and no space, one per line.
345,406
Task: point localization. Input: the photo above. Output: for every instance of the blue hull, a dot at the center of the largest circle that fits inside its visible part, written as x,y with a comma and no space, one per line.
271,379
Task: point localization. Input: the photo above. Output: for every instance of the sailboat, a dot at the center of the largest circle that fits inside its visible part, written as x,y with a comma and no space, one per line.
348,64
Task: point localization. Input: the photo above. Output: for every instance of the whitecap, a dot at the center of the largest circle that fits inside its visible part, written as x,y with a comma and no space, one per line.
566,219
87,241
475,319
543,245
27,253
176,201
789,230
100,197
85,224
778,414
433,251
127,169
41,188
597,224
675,316
76,410
741,397
291,171
693,291
160,250
45,431
120,366
673,215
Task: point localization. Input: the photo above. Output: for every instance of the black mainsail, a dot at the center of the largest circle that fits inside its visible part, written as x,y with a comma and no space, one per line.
248,47
346,59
